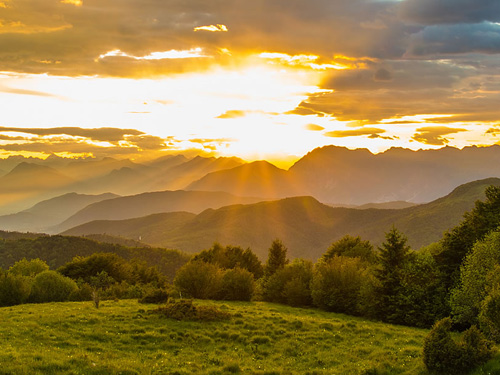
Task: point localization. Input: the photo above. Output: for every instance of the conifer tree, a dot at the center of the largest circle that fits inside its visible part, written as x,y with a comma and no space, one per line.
277,258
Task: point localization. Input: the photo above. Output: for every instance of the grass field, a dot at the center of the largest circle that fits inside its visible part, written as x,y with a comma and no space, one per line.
124,337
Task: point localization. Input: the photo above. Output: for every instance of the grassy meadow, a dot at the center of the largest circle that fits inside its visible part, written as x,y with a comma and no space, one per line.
125,337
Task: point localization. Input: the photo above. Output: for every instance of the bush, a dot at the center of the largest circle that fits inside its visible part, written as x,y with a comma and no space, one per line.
198,279
155,296
290,284
443,355
237,284
14,289
51,286
185,310
337,284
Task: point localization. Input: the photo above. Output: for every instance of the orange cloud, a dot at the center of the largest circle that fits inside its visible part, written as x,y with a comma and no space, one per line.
212,28
434,135
354,133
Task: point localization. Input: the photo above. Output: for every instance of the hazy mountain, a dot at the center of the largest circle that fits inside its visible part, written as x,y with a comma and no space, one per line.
305,225
396,205
50,212
28,184
151,203
180,176
341,176
336,174
259,178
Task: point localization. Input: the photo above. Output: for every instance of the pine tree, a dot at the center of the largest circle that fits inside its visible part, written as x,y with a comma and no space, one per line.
393,254
277,258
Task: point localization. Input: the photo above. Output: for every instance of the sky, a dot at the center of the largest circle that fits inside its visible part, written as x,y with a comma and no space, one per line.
261,79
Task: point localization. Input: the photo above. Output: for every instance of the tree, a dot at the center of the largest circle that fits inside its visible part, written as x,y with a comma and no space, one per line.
476,224
349,246
277,258
393,254
28,268
231,257
472,286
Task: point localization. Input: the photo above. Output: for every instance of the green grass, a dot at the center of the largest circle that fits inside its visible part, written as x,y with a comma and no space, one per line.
124,337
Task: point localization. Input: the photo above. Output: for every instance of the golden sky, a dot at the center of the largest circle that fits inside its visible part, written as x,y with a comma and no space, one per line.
263,79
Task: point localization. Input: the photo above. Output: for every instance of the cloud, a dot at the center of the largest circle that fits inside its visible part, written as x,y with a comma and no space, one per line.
455,39
99,134
354,132
434,135
234,113
9,90
314,127
212,28
432,12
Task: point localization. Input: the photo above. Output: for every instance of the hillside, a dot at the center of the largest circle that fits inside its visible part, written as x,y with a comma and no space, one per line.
125,337
48,213
59,250
305,225
151,203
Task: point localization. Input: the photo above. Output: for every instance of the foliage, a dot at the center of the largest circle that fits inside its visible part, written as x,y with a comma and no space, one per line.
113,267
476,224
14,289
198,279
290,284
489,314
51,286
443,355
59,250
186,310
237,284
276,259
393,254
472,288
28,268
421,300
337,284
231,257
156,295
353,247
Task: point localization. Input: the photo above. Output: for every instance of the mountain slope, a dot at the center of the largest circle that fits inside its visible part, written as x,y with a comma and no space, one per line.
152,203
50,212
305,225
259,178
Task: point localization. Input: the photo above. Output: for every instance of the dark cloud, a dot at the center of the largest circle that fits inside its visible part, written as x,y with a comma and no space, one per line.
354,133
431,12
147,142
434,135
68,40
442,40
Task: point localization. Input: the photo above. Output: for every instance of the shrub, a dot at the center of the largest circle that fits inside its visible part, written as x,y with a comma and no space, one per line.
185,310
337,284
443,355
155,296
290,284
29,268
198,279
51,286
14,289
237,284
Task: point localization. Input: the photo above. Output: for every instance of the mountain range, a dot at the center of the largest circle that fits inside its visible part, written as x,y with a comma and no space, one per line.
332,175
304,224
